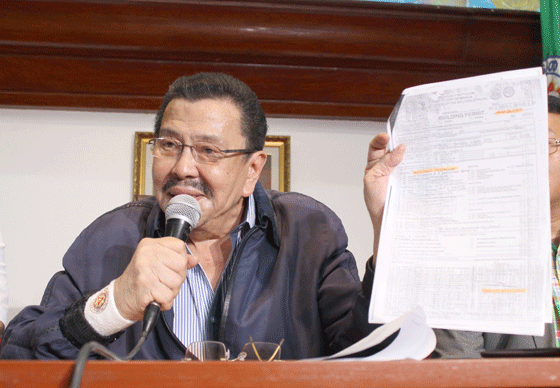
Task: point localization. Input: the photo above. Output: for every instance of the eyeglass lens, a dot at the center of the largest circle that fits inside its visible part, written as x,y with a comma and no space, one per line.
169,148
207,351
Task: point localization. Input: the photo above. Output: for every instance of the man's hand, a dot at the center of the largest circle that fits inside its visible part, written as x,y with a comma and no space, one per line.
380,165
155,273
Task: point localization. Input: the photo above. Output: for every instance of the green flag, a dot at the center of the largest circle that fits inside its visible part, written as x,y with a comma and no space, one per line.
550,32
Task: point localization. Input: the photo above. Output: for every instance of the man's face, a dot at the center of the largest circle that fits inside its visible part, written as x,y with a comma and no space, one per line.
554,160
219,188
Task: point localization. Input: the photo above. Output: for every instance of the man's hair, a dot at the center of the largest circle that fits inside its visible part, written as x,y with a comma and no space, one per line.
221,86
553,104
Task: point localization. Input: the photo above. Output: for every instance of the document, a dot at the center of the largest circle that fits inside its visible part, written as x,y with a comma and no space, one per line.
466,224
407,337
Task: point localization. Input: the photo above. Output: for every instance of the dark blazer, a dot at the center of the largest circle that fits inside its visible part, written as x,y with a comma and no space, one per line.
293,279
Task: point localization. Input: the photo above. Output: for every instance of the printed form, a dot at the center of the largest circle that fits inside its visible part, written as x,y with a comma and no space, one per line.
466,228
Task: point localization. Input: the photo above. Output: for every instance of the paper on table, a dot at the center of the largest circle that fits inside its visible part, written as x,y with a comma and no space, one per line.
466,228
414,340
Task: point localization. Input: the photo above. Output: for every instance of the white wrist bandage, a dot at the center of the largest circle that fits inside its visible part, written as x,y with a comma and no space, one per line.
102,313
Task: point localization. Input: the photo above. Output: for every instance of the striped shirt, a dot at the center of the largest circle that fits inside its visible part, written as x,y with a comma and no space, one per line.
192,305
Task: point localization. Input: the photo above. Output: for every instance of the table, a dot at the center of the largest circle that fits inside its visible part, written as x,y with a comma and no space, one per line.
512,372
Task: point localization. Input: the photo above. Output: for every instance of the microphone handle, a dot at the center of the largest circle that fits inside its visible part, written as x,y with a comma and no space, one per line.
151,314
174,227
177,227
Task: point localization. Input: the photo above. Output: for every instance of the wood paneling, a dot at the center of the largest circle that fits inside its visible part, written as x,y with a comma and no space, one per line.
314,58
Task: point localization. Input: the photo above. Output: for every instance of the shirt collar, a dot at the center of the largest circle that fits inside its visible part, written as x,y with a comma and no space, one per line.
249,219
248,222
250,211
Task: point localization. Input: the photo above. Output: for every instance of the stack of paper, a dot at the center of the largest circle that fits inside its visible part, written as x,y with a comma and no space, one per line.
466,228
407,337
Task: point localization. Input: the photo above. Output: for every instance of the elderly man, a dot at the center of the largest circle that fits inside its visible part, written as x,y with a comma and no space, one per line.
259,264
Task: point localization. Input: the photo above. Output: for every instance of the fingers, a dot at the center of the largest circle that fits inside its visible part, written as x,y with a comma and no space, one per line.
379,142
156,272
381,162
377,148
380,165
395,157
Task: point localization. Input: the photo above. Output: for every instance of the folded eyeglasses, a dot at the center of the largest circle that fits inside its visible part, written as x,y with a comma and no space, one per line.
216,351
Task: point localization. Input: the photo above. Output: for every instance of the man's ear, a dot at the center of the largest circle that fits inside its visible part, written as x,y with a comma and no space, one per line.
255,165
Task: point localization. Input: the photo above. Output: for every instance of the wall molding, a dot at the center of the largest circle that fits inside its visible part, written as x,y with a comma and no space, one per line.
307,58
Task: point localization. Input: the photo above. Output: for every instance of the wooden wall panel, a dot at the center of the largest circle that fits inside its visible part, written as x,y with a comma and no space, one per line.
307,58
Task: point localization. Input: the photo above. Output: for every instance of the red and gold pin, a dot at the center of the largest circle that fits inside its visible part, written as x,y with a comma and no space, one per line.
100,302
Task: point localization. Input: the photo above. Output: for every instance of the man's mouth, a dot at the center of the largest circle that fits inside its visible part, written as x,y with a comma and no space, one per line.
196,188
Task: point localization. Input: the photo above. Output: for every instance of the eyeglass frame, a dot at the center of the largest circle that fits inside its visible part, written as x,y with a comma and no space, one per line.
551,144
189,356
278,346
195,153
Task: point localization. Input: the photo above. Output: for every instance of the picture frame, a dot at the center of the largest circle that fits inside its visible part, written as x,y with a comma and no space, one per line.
275,174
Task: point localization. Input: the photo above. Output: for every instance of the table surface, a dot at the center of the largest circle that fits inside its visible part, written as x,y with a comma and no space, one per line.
511,372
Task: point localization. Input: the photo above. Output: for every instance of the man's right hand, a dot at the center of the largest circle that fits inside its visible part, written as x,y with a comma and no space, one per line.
156,272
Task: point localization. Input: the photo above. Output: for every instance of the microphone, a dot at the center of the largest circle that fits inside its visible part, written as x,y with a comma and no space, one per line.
182,213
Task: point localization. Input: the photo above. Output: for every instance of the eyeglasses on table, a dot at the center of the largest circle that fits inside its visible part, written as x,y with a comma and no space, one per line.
216,351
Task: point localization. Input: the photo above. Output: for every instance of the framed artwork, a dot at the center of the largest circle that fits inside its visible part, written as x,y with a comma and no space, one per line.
275,174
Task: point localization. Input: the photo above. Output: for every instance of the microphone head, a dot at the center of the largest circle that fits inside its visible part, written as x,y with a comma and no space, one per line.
184,207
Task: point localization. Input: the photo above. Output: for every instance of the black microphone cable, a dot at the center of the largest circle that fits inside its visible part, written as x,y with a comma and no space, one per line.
150,317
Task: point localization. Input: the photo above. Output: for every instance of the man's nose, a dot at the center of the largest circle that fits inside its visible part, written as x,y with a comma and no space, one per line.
186,165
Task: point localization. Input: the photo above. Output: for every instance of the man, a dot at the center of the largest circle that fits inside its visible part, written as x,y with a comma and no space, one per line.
466,344
259,264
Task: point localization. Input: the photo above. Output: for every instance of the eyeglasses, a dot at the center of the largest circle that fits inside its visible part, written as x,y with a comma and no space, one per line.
164,147
552,145
216,351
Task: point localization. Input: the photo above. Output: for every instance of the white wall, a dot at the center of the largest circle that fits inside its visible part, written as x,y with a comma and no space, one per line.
59,170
